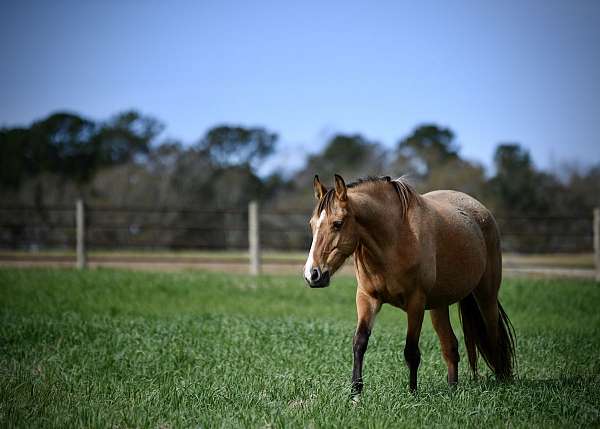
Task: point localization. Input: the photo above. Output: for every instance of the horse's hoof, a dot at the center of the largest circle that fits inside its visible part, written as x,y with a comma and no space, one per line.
355,399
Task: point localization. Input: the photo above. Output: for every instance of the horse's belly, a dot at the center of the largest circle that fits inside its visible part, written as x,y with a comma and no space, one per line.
460,264
444,294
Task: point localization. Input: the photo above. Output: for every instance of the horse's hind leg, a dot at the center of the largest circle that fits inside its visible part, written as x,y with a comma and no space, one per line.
441,323
499,343
487,300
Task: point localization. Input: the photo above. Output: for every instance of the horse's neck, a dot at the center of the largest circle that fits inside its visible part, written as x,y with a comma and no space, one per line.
380,223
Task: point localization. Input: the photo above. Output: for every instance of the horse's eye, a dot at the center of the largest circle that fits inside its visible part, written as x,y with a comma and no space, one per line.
337,225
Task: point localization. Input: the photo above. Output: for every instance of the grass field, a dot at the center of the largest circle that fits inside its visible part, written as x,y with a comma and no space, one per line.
110,348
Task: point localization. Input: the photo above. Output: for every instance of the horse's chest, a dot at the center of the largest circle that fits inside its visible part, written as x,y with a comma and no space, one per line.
392,290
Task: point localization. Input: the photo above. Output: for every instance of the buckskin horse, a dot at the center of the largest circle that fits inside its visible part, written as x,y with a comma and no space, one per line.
415,252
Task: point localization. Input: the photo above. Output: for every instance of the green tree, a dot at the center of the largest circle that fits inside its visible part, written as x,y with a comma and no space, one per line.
14,163
429,156
73,147
426,148
518,186
236,146
61,144
124,137
349,155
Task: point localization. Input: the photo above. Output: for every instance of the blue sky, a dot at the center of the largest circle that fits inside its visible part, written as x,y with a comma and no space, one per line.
518,71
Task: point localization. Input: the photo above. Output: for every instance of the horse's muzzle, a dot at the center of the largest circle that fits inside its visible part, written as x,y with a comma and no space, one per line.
318,279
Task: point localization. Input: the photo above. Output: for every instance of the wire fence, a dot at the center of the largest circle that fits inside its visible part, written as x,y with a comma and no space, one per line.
205,228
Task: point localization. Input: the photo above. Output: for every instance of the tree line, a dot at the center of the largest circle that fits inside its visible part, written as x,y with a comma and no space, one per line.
124,161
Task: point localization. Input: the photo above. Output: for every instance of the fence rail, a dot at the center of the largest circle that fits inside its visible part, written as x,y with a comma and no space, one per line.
241,228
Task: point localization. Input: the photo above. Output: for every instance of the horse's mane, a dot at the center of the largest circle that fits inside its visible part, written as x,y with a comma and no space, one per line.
406,193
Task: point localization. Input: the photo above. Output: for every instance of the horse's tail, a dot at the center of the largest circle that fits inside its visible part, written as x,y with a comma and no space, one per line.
478,340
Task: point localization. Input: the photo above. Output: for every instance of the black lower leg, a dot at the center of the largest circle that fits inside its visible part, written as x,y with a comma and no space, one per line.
361,340
412,355
452,359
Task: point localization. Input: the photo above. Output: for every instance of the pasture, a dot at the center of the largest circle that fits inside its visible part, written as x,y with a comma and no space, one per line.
110,348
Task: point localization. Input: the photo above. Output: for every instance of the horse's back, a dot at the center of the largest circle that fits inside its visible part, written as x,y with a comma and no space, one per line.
464,204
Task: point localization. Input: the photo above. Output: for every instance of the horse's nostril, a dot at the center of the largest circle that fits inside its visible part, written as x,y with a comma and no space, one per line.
315,274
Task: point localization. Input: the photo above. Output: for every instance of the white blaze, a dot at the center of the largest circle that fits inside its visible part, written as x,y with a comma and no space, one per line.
310,261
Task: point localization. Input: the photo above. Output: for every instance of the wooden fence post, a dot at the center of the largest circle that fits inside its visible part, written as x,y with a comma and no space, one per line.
80,221
597,242
254,238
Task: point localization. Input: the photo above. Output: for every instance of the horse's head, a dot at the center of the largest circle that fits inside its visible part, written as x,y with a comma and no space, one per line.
334,233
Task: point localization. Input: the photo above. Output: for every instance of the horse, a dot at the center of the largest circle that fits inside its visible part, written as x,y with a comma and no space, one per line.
415,252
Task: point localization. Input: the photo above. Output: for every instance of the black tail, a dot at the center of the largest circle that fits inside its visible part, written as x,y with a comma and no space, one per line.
477,339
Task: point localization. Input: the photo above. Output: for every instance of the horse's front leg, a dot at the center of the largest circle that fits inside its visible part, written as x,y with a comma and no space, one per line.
367,308
415,309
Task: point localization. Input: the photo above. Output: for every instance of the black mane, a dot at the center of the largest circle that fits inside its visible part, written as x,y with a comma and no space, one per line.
406,193
369,179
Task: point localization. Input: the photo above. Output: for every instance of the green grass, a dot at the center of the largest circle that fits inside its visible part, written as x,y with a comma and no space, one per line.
110,348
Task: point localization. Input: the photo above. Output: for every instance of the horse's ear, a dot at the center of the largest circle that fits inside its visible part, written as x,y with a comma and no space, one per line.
340,188
320,190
